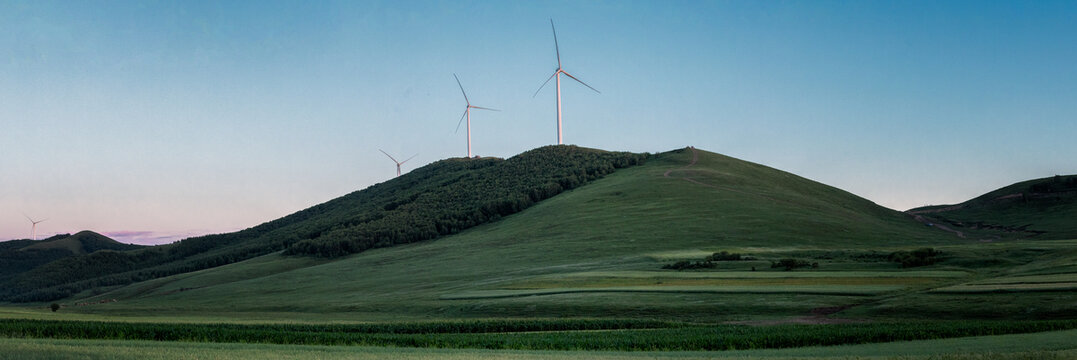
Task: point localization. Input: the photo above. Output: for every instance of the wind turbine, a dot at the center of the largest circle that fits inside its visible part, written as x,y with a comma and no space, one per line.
557,74
33,228
467,114
398,163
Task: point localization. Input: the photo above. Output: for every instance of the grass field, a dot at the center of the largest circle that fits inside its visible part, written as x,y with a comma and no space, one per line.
1047,345
596,253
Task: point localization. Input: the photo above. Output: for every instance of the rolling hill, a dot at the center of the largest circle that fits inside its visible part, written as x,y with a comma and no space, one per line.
594,251
20,256
83,242
1039,209
441,198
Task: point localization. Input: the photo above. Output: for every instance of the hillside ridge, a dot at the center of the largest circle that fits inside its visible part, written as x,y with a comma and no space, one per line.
1040,208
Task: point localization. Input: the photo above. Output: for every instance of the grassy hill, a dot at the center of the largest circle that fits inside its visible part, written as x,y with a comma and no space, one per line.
595,251
1039,209
20,256
83,242
441,198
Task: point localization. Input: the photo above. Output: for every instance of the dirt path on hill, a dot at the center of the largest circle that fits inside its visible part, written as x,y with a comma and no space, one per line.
927,222
695,158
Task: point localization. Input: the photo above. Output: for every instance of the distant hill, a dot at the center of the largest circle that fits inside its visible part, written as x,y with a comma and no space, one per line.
19,256
83,242
442,198
1042,208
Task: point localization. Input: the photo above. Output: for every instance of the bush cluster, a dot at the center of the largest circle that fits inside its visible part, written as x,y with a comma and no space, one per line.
689,265
791,264
915,258
725,256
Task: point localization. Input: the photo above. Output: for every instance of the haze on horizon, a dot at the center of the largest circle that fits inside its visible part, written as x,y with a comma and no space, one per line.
152,122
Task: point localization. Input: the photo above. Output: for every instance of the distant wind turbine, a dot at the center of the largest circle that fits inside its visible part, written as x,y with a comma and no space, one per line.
557,74
33,228
467,114
398,163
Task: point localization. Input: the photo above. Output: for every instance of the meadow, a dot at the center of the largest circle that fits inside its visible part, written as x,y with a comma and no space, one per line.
586,273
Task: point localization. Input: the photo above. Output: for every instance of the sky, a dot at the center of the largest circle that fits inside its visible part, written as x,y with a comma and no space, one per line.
151,121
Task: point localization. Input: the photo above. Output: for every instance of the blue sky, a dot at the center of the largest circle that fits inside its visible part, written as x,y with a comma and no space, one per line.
153,120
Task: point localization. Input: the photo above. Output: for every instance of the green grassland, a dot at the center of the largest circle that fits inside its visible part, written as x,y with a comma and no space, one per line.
616,223
596,252
1041,208
1045,345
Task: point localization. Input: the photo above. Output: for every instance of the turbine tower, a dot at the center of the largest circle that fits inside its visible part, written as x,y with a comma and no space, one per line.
398,163
557,74
467,114
33,227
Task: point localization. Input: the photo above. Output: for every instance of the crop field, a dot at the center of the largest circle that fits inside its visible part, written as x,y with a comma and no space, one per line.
1045,345
1028,283
843,290
595,335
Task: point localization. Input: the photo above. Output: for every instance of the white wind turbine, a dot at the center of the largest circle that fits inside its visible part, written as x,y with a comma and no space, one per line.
467,114
33,228
557,74
398,163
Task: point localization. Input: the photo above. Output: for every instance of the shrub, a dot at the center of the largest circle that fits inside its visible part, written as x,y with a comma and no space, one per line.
915,258
725,256
54,307
689,265
790,264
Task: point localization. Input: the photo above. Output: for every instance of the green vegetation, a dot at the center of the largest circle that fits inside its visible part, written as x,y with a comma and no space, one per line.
707,263
915,258
439,199
792,264
1038,346
20,256
593,254
425,209
602,335
1041,209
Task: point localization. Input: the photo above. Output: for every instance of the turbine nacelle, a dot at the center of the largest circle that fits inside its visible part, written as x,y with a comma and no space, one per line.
33,226
557,74
467,114
398,163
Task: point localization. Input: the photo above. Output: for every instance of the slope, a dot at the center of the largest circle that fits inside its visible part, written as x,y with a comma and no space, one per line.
680,204
438,199
20,256
1040,209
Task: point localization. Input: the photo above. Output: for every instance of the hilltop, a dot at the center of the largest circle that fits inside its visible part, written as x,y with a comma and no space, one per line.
83,242
19,256
1040,209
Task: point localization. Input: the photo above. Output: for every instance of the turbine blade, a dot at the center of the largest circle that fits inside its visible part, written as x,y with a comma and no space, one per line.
460,122
412,157
544,84
555,46
28,217
461,88
581,81
480,107
387,154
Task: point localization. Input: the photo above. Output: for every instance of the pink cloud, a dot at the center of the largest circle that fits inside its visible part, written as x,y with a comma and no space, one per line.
150,237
